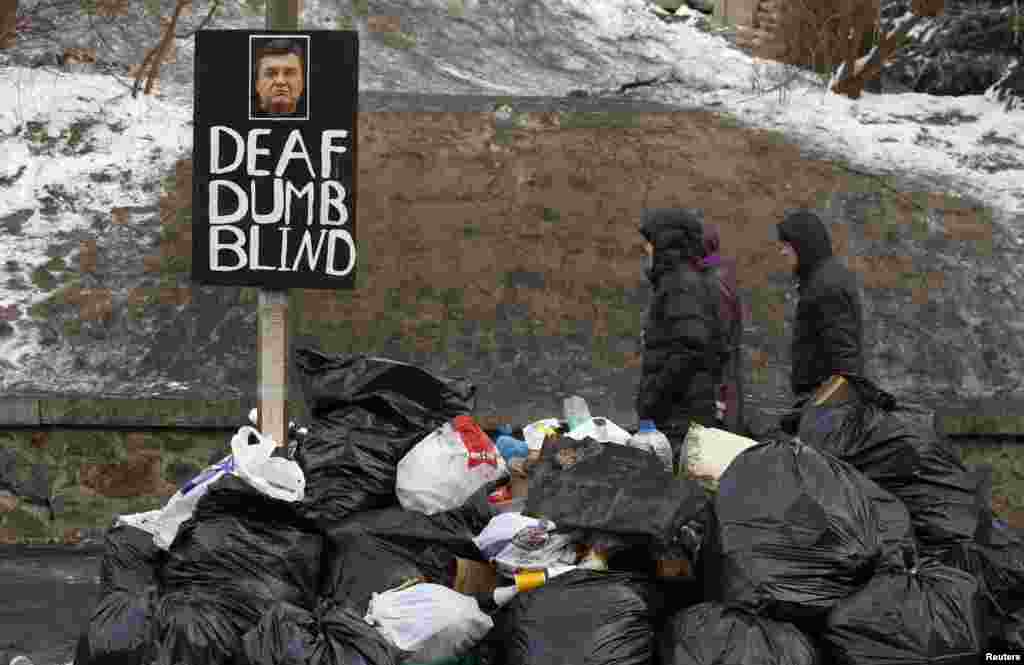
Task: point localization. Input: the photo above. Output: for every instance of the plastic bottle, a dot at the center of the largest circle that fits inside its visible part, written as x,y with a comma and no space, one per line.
509,446
576,411
524,581
649,438
533,579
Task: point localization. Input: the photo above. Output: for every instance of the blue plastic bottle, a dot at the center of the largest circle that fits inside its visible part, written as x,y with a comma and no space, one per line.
649,438
509,446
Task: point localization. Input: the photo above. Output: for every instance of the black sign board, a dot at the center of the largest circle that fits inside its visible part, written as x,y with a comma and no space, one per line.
274,161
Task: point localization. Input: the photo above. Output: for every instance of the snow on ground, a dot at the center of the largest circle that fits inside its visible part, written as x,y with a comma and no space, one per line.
141,136
968,144
936,137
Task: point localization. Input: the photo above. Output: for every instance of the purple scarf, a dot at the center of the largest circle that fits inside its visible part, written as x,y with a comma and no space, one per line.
712,261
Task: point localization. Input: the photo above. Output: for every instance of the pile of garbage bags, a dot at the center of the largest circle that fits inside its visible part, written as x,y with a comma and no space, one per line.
394,531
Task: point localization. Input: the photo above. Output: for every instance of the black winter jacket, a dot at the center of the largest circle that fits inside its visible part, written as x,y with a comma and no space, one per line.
828,335
683,347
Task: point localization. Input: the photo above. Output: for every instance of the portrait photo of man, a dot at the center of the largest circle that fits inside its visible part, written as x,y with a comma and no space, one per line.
280,72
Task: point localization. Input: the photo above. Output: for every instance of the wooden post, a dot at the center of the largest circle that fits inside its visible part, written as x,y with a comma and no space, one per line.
272,352
272,338
8,23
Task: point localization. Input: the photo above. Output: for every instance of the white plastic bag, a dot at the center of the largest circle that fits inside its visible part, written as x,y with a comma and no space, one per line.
710,451
250,460
447,467
500,531
600,429
277,477
537,548
430,621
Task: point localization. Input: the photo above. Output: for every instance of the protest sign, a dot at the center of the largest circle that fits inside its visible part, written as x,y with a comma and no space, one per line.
274,163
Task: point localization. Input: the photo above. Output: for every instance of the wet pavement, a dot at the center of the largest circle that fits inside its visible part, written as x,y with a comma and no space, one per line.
46,598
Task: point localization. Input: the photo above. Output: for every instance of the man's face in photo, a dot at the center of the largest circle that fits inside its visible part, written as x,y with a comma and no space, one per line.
279,83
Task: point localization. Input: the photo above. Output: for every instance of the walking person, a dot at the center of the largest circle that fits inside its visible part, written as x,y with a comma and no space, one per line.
828,335
730,385
683,336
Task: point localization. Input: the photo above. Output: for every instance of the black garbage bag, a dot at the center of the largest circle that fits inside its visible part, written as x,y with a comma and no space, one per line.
131,560
367,414
452,529
895,529
713,634
1008,633
202,627
121,630
330,635
930,613
906,458
245,551
793,533
999,568
378,550
579,617
358,566
240,541
618,490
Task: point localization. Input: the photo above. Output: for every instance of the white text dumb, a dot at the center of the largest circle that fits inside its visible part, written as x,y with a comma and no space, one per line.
332,197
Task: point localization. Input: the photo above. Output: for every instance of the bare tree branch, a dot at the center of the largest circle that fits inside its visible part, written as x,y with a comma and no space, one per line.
204,22
151,65
850,81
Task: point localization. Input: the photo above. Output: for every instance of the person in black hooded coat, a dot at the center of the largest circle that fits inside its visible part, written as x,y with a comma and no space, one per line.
683,337
828,336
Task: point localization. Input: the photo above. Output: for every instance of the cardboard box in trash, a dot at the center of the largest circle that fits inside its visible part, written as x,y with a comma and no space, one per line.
520,483
674,569
475,577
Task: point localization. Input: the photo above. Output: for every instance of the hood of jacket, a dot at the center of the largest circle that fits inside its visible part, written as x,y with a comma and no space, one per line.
677,235
807,233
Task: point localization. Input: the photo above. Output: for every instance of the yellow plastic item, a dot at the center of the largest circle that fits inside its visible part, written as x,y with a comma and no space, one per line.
531,580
